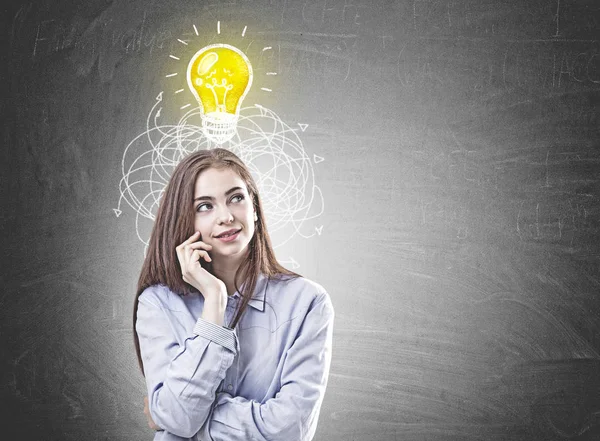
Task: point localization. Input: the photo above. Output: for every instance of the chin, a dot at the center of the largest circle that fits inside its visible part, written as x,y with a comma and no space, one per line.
230,252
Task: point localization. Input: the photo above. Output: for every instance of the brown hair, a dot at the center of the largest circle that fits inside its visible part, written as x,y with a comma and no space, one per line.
175,223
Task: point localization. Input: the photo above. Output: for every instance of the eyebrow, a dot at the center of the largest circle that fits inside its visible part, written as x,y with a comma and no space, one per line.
227,193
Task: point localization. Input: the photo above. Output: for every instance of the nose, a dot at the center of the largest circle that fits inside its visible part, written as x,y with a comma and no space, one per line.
224,216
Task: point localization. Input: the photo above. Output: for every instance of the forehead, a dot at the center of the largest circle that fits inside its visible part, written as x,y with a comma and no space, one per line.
215,182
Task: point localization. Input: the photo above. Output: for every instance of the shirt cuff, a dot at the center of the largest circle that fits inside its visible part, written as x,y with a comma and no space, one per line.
219,334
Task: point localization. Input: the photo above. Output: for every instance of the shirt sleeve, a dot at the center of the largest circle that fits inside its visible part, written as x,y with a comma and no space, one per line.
182,379
293,413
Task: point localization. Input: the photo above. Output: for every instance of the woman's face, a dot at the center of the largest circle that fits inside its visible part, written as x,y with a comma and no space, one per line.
222,203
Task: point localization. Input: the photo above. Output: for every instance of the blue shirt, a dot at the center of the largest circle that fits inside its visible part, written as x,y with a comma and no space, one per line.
264,380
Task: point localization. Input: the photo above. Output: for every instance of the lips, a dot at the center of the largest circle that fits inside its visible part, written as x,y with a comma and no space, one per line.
228,232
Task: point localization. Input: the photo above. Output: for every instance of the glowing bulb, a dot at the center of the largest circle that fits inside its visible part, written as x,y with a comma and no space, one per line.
219,76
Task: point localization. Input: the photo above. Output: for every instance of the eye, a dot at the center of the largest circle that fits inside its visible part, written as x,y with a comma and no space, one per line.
240,197
199,208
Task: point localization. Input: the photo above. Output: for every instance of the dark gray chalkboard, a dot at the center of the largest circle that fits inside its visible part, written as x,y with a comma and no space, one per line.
460,236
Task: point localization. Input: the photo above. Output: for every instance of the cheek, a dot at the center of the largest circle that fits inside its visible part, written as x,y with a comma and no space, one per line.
202,224
243,214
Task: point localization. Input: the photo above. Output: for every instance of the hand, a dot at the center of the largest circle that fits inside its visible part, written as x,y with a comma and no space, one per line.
151,422
189,254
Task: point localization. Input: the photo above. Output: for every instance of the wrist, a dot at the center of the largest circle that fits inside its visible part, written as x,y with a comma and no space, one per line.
214,309
215,297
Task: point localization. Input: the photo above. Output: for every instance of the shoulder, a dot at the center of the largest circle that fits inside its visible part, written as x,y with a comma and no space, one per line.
299,291
160,296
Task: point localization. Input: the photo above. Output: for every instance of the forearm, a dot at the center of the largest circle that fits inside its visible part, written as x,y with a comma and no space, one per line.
240,419
181,402
182,379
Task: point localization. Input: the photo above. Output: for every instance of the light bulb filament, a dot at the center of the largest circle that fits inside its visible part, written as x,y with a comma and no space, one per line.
221,104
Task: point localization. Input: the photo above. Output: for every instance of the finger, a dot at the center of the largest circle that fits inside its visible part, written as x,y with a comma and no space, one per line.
189,240
195,257
199,244
183,250
204,254
189,251
189,248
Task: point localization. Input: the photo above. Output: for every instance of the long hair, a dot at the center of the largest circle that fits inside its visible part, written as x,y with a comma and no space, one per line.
175,223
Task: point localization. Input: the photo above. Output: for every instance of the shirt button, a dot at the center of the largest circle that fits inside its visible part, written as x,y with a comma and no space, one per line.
230,386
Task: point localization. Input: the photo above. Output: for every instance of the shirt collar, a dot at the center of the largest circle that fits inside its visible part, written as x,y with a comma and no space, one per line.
260,291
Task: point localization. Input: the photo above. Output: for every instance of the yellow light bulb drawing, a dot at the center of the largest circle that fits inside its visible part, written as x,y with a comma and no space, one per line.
219,76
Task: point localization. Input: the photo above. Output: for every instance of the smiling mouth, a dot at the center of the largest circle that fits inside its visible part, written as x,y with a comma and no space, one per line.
229,234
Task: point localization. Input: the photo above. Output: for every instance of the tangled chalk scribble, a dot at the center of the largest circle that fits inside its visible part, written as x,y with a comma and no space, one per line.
270,148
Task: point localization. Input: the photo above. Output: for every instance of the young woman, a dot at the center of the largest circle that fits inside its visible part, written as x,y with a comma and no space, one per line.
233,346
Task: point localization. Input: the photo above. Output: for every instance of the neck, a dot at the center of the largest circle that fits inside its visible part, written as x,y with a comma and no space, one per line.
224,268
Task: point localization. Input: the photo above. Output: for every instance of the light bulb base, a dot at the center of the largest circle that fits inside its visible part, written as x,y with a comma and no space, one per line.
219,127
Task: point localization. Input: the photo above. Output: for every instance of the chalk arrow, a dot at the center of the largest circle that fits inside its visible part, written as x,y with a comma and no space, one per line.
117,212
319,230
291,262
295,265
158,113
303,126
318,159
159,97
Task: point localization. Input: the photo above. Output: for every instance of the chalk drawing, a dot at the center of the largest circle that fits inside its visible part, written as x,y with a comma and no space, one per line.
272,150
